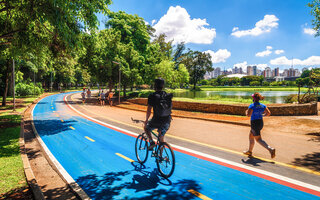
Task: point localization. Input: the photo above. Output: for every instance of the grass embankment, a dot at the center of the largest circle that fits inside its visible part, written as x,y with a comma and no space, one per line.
13,180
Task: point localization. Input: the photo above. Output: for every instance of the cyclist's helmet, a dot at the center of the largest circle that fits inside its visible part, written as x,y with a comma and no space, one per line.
159,83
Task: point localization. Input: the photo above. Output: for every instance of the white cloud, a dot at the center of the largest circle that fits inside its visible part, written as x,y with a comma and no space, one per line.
263,26
280,51
153,22
309,31
312,60
178,26
264,53
219,56
261,66
146,23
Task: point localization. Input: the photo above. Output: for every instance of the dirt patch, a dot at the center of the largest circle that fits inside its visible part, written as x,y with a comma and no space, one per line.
294,125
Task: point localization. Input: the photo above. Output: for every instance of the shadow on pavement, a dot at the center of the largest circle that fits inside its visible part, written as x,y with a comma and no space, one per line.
315,136
149,184
58,193
254,161
310,161
51,127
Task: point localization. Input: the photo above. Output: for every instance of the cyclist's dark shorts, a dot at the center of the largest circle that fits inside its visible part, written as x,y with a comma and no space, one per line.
162,127
256,126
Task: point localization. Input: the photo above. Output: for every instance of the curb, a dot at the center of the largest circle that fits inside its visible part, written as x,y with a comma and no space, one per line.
31,180
75,188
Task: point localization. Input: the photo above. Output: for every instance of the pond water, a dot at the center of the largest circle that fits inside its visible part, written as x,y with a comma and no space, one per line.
271,96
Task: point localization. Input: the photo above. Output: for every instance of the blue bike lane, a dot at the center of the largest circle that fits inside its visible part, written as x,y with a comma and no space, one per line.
99,159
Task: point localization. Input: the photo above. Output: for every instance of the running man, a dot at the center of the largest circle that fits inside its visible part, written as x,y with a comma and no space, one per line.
161,102
257,111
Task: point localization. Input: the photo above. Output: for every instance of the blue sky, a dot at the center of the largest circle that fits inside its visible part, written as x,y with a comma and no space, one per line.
235,32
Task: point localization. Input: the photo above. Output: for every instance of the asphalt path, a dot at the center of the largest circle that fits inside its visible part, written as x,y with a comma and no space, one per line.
97,154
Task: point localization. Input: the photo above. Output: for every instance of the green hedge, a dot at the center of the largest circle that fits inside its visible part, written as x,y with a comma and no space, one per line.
25,89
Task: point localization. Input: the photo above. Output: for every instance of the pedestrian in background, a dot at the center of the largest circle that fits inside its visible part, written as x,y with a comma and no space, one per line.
257,111
110,95
89,93
83,96
103,98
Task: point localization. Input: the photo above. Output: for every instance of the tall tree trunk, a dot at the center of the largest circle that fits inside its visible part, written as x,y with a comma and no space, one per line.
124,90
6,84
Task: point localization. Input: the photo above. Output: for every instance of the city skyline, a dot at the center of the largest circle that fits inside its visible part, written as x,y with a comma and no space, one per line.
268,72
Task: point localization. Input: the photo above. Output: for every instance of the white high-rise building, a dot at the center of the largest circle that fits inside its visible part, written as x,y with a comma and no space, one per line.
249,71
267,72
217,72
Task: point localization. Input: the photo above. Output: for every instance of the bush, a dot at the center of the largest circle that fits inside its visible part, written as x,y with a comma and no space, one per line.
307,98
254,83
24,89
196,89
204,82
291,98
265,83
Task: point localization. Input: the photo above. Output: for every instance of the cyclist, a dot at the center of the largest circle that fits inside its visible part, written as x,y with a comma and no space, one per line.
161,102
256,111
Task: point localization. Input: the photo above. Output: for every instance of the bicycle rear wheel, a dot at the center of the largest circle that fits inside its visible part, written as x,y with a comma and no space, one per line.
165,160
141,148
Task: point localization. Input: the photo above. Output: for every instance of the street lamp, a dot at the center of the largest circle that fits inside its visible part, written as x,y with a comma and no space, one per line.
119,79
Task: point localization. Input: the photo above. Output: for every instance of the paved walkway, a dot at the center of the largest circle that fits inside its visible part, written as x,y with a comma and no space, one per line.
297,141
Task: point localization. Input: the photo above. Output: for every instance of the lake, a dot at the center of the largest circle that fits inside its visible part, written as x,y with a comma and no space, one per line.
271,96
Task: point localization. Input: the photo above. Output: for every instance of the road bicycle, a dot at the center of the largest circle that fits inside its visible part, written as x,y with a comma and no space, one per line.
162,153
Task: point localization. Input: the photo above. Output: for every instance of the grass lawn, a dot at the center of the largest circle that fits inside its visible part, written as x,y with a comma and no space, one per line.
11,167
13,180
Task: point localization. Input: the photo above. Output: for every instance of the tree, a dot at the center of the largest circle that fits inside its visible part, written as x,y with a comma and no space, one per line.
134,41
198,64
315,11
34,25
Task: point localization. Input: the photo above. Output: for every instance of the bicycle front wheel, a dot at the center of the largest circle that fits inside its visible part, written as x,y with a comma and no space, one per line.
141,148
165,160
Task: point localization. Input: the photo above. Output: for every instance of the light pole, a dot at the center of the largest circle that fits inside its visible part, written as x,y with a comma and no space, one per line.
119,80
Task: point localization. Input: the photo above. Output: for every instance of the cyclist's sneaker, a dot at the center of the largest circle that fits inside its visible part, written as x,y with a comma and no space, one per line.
272,152
249,153
152,145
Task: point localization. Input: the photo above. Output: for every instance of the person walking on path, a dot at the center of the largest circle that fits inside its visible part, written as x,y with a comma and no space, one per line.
103,98
89,93
161,102
110,95
99,96
83,96
257,111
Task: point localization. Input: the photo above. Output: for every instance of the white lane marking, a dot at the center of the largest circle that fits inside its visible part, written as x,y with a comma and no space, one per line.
62,171
277,176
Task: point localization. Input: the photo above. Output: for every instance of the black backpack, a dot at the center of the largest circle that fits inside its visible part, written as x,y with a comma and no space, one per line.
163,104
